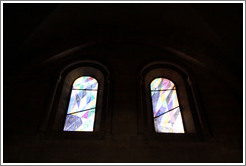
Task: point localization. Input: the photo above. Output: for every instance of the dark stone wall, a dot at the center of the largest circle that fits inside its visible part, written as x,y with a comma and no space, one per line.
41,39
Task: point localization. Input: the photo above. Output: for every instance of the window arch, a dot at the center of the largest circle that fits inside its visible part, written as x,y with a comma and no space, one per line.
165,104
82,105
80,101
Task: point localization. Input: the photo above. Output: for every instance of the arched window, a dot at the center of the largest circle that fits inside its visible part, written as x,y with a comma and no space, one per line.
166,111
80,101
82,105
168,108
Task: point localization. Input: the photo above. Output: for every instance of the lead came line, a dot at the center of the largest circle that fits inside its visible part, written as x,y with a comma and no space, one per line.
166,112
81,111
164,89
86,89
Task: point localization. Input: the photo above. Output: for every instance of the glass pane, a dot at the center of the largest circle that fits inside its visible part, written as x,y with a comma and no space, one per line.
166,111
161,84
81,121
170,122
163,101
82,105
85,82
82,100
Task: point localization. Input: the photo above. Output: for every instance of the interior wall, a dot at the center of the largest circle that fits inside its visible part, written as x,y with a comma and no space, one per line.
125,38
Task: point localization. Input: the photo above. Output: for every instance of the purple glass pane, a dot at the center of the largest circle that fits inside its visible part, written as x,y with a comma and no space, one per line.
72,123
80,121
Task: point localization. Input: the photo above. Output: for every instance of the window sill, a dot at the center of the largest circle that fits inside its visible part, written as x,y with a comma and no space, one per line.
174,136
96,135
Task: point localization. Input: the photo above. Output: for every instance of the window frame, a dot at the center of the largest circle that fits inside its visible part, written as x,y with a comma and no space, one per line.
65,96
83,110
180,90
172,109
193,119
54,118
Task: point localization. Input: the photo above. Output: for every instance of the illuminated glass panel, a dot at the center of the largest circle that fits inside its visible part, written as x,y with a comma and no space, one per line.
82,104
166,111
85,82
161,84
82,100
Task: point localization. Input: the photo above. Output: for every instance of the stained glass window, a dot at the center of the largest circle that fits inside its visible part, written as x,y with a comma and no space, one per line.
166,110
82,105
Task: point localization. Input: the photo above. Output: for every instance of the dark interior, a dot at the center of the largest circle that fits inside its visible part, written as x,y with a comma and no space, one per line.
41,40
